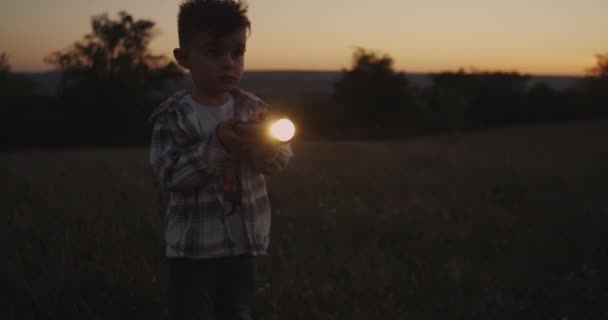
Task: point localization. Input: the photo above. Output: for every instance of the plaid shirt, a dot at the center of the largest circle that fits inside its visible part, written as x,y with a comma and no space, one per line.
188,163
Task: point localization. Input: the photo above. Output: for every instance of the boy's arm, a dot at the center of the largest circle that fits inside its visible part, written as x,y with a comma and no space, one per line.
182,166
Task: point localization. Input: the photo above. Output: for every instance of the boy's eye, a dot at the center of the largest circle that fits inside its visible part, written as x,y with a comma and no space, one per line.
239,52
211,52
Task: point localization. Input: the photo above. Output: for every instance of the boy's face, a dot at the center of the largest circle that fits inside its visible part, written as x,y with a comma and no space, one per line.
215,63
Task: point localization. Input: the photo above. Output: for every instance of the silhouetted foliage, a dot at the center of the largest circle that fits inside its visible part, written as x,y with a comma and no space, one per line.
116,52
449,99
540,102
460,99
13,85
22,112
594,87
372,94
111,81
5,68
601,68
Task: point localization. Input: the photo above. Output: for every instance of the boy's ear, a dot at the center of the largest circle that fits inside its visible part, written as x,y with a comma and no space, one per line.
182,57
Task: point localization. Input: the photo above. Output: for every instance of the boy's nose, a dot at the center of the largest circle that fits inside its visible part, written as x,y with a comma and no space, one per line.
228,61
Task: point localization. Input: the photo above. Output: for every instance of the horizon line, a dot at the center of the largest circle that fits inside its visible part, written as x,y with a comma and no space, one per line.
26,71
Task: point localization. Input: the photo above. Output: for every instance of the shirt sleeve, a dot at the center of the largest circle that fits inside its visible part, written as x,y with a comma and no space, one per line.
276,163
179,163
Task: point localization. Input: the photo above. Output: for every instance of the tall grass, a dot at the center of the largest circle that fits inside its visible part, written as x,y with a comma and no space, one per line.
498,225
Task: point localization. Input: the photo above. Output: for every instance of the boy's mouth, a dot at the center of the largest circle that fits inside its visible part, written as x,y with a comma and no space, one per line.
228,79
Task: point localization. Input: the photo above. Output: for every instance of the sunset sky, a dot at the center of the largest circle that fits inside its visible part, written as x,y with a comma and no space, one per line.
531,36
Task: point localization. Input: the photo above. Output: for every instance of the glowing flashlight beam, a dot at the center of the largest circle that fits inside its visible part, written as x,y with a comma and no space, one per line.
283,130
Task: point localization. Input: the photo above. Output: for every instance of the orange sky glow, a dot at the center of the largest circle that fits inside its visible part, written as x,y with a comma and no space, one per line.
552,37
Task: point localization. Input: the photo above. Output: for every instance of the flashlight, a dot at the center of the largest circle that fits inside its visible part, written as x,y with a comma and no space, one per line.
280,130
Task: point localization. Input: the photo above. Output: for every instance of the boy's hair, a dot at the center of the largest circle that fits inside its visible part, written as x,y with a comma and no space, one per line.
219,17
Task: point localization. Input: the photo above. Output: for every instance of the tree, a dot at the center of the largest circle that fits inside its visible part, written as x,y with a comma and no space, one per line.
115,51
5,68
498,98
461,99
449,99
20,110
601,68
595,87
13,85
112,72
372,93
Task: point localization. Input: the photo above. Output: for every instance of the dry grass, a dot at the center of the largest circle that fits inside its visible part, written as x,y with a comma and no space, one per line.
498,225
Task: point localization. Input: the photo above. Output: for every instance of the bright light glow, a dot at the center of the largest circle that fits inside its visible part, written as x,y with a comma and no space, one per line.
283,130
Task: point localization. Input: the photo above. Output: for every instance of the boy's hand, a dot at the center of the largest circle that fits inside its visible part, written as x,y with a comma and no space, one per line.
261,151
229,138
269,149
258,117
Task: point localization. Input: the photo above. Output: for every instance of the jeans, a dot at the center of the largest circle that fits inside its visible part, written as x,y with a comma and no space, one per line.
212,289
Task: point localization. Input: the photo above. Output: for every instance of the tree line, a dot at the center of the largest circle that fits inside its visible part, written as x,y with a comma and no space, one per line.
375,96
111,82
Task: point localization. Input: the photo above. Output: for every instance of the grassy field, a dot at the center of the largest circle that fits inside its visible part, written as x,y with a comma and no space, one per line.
505,224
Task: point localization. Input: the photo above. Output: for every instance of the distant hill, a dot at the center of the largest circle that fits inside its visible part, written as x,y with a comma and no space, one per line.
269,83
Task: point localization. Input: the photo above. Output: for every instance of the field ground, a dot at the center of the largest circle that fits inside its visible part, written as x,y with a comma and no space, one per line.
505,224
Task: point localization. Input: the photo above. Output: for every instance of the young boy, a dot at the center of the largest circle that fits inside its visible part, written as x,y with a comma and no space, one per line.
218,217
